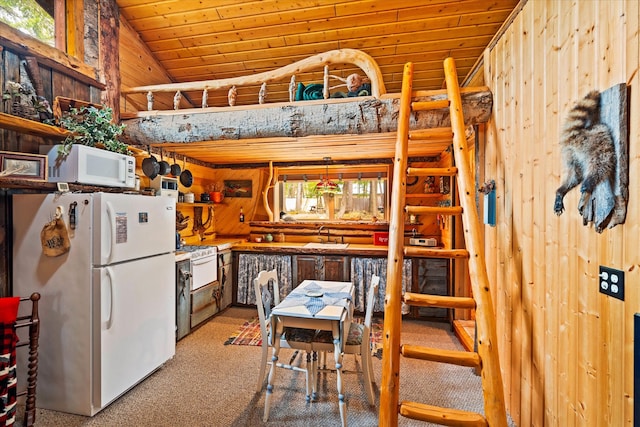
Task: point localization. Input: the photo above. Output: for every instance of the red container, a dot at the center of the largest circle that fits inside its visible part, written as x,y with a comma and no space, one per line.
381,238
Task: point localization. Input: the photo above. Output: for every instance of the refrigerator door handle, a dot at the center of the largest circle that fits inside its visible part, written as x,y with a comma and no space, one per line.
109,322
112,224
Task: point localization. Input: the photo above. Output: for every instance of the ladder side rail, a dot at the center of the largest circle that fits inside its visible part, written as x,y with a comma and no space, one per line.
390,382
495,410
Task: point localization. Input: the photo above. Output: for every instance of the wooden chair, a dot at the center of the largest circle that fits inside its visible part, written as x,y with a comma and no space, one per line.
293,338
10,322
32,322
358,341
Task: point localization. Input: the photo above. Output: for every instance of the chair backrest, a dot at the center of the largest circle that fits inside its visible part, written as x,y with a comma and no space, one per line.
371,299
266,298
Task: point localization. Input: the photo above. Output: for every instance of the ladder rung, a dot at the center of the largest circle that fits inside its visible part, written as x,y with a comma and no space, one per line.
430,105
432,171
442,416
426,300
444,210
454,357
432,134
421,251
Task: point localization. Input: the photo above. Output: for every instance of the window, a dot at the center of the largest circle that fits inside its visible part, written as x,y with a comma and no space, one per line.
29,17
336,193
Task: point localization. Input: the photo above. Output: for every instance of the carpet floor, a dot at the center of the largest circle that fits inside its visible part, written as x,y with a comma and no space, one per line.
249,334
208,383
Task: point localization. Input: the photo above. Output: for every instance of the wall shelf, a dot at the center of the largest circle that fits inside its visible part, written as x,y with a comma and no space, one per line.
31,127
187,205
423,195
28,184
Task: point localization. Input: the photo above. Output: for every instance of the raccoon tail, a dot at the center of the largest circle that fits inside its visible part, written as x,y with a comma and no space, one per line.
584,114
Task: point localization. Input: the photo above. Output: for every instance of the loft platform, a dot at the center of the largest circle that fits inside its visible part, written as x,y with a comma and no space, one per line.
352,128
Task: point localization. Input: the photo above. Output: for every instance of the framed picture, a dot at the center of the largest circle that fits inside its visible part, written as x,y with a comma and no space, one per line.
23,166
238,188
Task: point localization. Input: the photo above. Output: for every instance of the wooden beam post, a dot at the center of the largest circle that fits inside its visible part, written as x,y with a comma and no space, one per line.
109,55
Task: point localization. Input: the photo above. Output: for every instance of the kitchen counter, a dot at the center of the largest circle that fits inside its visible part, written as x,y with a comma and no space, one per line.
299,248
240,244
221,243
182,255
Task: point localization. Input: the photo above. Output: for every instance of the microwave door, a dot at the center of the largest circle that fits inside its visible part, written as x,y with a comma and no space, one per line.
101,169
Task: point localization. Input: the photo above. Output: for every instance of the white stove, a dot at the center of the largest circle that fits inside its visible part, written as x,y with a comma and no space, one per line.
204,264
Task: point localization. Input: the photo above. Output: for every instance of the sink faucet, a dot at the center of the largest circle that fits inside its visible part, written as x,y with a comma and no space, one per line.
320,234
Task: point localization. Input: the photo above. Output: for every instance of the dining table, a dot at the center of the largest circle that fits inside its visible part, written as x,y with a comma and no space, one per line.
319,305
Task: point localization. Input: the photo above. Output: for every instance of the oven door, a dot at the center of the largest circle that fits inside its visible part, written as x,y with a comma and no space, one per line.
204,271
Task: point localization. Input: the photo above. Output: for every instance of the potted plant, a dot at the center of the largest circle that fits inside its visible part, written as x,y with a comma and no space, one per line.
94,127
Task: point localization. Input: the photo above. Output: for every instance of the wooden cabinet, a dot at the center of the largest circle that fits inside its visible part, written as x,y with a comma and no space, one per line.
362,269
430,276
205,302
225,277
247,267
183,298
320,267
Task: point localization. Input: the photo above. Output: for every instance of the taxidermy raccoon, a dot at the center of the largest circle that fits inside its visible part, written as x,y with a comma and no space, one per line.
588,152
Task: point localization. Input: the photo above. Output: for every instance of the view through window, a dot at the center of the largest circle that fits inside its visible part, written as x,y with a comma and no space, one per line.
29,17
355,196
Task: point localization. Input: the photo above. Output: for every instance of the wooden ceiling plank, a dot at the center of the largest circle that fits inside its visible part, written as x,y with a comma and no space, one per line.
153,27
268,6
285,52
470,7
371,25
378,6
142,11
495,16
349,38
396,41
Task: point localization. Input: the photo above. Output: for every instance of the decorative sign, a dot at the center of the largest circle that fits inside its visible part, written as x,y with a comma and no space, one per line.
238,188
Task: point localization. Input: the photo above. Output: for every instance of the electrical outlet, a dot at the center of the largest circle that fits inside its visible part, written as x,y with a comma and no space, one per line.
611,282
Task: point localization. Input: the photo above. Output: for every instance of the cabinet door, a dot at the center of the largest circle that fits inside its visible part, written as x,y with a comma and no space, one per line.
335,268
430,276
205,302
226,286
183,298
250,264
307,267
225,277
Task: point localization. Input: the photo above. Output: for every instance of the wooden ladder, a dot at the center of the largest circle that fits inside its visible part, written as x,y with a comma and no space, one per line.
485,360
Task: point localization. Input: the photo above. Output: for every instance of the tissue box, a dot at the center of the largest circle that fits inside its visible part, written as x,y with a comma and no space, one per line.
381,238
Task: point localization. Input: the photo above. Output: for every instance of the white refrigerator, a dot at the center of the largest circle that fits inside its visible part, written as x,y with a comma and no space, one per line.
107,310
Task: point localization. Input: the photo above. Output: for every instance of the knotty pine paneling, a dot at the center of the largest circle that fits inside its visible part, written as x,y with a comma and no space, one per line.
196,40
566,350
139,67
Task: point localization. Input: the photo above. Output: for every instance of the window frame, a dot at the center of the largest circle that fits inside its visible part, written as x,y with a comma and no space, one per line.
335,172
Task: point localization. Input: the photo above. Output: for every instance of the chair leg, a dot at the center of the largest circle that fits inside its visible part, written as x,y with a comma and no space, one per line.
367,372
263,367
309,375
314,379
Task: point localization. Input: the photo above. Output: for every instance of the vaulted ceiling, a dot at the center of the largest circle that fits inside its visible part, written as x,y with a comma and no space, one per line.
215,39
196,40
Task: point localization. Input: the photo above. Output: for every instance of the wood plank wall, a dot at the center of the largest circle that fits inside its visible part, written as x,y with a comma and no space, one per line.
566,349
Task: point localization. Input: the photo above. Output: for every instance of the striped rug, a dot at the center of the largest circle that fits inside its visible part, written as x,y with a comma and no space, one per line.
249,334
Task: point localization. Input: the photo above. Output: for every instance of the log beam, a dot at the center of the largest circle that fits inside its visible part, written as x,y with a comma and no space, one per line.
356,116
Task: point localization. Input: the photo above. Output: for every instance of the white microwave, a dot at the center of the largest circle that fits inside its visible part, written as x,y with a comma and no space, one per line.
92,166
